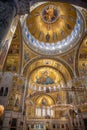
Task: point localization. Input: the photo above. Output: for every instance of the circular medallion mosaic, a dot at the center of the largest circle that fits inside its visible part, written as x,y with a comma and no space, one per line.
50,14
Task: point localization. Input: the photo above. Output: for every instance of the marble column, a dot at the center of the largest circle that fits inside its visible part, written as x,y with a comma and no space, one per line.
7,12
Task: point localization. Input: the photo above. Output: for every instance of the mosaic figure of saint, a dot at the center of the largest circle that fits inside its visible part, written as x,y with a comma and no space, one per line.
49,13
44,102
45,79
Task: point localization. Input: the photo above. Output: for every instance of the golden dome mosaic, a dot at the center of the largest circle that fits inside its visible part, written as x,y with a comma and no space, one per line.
53,28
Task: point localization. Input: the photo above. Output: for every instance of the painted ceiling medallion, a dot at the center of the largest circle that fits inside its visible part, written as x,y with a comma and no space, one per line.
50,14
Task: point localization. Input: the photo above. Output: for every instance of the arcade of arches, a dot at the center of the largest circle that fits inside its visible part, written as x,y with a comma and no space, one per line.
43,69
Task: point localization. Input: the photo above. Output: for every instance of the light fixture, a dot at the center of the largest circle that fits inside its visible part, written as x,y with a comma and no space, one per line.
1,110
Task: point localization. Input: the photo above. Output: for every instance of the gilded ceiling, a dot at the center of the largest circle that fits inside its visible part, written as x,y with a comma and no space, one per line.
47,75
53,28
64,21
50,63
19,55
45,31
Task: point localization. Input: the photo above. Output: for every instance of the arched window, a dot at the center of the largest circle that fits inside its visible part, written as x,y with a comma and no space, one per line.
48,112
6,92
52,113
1,91
43,112
38,112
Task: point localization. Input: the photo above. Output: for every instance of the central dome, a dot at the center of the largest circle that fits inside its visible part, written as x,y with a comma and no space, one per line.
53,28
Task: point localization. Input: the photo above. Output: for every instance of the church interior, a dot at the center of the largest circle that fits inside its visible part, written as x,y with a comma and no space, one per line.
43,65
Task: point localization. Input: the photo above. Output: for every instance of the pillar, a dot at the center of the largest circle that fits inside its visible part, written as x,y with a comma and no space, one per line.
7,12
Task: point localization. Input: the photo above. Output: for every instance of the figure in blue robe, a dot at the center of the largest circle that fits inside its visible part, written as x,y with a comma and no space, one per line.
45,79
